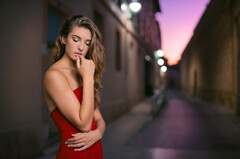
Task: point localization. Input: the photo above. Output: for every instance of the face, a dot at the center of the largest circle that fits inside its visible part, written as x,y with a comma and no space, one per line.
77,43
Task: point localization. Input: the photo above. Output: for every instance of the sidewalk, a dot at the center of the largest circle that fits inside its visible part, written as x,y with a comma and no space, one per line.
118,133
121,131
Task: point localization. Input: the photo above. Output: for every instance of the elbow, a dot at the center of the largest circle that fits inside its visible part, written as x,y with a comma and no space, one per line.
85,128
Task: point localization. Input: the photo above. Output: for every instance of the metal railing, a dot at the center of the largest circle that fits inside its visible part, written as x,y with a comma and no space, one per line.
158,100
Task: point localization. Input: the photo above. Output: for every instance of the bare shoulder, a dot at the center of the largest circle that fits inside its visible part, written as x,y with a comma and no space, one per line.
54,78
53,74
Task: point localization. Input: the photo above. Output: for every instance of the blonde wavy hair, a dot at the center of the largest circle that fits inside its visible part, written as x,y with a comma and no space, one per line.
96,50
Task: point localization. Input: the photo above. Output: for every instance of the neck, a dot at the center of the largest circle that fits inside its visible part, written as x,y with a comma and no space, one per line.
70,65
68,62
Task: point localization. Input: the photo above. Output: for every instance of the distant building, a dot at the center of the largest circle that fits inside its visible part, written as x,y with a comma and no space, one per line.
28,31
211,61
173,76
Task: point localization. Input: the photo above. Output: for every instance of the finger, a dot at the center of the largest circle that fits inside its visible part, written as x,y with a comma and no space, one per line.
77,135
82,58
76,145
78,62
74,141
81,149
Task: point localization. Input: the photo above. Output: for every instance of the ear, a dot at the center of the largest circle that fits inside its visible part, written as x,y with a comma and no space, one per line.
63,40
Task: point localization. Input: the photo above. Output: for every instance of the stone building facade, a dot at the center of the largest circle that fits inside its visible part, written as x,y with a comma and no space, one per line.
210,65
28,31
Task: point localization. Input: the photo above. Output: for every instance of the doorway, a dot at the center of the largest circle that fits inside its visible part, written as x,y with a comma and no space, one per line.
238,64
148,78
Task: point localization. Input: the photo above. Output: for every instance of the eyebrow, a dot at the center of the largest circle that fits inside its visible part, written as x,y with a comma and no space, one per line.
80,38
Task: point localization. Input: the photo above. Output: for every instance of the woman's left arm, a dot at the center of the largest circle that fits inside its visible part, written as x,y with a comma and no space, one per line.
82,141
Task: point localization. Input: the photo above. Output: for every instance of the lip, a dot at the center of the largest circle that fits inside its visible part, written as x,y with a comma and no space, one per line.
78,54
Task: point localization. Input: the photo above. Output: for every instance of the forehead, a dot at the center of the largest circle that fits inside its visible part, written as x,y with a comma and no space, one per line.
81,32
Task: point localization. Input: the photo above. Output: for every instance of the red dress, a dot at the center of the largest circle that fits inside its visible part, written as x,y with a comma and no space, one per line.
66,129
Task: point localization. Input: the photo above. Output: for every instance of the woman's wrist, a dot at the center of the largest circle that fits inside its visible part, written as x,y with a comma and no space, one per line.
98,134
88,82
88,79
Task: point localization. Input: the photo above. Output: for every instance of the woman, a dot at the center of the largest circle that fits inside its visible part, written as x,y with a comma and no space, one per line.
71,89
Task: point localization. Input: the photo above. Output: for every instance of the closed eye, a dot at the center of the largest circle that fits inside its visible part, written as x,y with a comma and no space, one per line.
75,40
88,43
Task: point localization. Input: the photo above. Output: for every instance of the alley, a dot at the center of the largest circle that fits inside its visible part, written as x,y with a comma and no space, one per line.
189,124
185,128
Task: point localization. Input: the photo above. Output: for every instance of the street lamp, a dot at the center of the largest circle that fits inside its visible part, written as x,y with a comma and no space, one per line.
124,6
135,6
158,54
163,68
160,62
126,10
147,58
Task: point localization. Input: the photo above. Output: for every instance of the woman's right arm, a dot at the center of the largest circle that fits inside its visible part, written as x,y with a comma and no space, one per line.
58,89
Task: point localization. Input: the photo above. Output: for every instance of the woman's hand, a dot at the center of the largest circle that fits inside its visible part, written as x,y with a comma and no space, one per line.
82,141
85,67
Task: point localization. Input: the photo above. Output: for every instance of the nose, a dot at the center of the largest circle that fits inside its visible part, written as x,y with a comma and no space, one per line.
81,46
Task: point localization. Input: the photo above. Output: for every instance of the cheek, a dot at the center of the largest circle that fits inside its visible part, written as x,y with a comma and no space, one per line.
71,45
86,48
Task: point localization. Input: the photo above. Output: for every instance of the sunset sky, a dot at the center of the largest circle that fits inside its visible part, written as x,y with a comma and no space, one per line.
177,22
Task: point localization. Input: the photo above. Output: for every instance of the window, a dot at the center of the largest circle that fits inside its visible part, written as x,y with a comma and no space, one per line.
98,20
118,51
54,21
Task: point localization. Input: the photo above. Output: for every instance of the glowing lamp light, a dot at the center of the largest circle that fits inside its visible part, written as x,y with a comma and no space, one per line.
135,6
160,53
163,68
160,62
124,7
147,58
